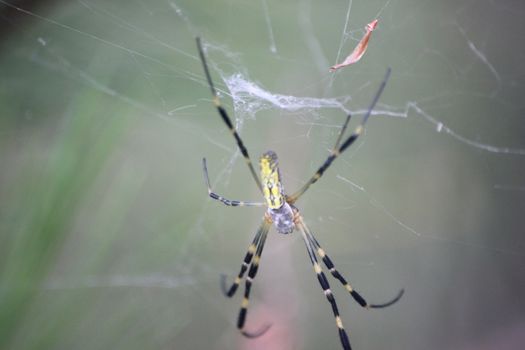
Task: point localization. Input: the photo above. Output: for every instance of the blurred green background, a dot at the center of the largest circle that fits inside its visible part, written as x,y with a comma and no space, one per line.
108,239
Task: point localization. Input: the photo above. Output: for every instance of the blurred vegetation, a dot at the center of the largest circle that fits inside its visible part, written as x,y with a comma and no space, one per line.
52,174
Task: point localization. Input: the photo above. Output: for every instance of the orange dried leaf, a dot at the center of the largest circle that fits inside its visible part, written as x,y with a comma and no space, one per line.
359,50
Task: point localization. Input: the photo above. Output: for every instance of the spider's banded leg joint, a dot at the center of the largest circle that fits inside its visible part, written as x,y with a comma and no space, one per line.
349,141
225,117
252,249
225,201
331,267
324,284
339,322
252,272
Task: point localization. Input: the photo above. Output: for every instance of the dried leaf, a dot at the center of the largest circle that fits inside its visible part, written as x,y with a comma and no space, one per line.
359,50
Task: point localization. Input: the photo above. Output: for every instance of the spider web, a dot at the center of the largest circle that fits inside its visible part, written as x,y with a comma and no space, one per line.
429,199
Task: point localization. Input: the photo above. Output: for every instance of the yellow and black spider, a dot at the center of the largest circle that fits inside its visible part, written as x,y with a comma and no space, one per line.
285,216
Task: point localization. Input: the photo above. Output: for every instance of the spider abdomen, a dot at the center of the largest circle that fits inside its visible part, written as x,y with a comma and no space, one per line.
283,218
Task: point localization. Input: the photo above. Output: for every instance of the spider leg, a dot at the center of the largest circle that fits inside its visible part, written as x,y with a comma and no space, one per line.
330,266
254,266
225,117
229,292
228,202
341,133
336,152
324,284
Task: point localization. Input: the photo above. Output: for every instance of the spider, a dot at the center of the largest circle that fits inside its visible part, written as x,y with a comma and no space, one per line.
284,215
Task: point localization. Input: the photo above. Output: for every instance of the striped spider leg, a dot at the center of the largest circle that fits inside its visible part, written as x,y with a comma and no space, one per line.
228,202
260,237
225,117
250,264
338,150
229,292
314,249
325,285
252,272
331,267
